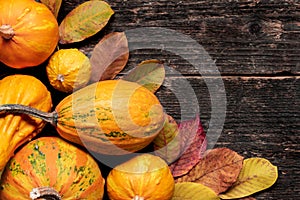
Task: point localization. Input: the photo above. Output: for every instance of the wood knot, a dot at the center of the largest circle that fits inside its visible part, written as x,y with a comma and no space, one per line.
255,28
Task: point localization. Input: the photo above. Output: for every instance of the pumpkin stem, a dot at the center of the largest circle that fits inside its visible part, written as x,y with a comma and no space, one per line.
22,109
136,197
44,193
6,31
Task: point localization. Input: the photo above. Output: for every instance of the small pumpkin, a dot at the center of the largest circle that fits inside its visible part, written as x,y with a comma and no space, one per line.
112,117
16,129
28,33
68,70
50,166
143,177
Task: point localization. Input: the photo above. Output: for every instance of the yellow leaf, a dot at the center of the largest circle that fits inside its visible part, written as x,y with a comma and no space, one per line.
84,21
193,191
149,73
256,175
167,144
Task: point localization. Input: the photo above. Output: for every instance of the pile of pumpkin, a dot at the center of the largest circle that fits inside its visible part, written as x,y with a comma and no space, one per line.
110,117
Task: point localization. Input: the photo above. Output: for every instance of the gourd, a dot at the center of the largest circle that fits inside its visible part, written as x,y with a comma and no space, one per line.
53,168
68,70
28,33
114,117
144,177
16,129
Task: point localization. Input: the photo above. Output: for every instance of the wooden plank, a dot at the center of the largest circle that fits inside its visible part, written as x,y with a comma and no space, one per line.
255,45
262,120
243,37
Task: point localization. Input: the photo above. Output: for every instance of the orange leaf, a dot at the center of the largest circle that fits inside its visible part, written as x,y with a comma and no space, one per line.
109,56
192,144
218,170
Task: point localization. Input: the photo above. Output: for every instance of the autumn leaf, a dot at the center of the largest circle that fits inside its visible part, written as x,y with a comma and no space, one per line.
218,170
192,145
193,191
246,198
167,144
109,56
84,21
256,175
149,73
53,5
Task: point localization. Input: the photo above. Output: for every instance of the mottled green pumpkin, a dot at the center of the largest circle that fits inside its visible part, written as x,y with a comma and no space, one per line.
55,164
111,117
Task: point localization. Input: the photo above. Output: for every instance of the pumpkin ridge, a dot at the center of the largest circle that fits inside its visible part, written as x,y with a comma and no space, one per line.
51,162
73,173
64,173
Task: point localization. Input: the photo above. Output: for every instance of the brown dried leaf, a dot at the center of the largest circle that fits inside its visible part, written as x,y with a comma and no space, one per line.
109,56
218,170
84,21
53,5
149,73
167,144
192,145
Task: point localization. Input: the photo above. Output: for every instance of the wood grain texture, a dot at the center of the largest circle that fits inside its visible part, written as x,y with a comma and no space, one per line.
255,46
243,37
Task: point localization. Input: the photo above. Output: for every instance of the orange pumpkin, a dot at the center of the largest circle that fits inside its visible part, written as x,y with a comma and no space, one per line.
144,177
28,33
49,166
16,129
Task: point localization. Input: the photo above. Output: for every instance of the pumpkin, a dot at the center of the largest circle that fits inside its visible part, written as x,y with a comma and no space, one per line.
114,117
144,177
16,129
68,70
28,33
50,166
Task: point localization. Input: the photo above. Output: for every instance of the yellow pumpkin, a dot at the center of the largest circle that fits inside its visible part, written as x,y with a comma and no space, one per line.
28,33
68,70
144,177
16,129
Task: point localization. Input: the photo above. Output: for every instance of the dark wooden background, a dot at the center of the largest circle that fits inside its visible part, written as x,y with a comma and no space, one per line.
255,45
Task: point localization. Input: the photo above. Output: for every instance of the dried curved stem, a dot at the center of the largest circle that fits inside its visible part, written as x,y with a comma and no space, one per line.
6,31
22,109
44,193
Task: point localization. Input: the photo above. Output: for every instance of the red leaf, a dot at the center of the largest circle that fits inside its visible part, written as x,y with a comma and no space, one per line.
193,144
